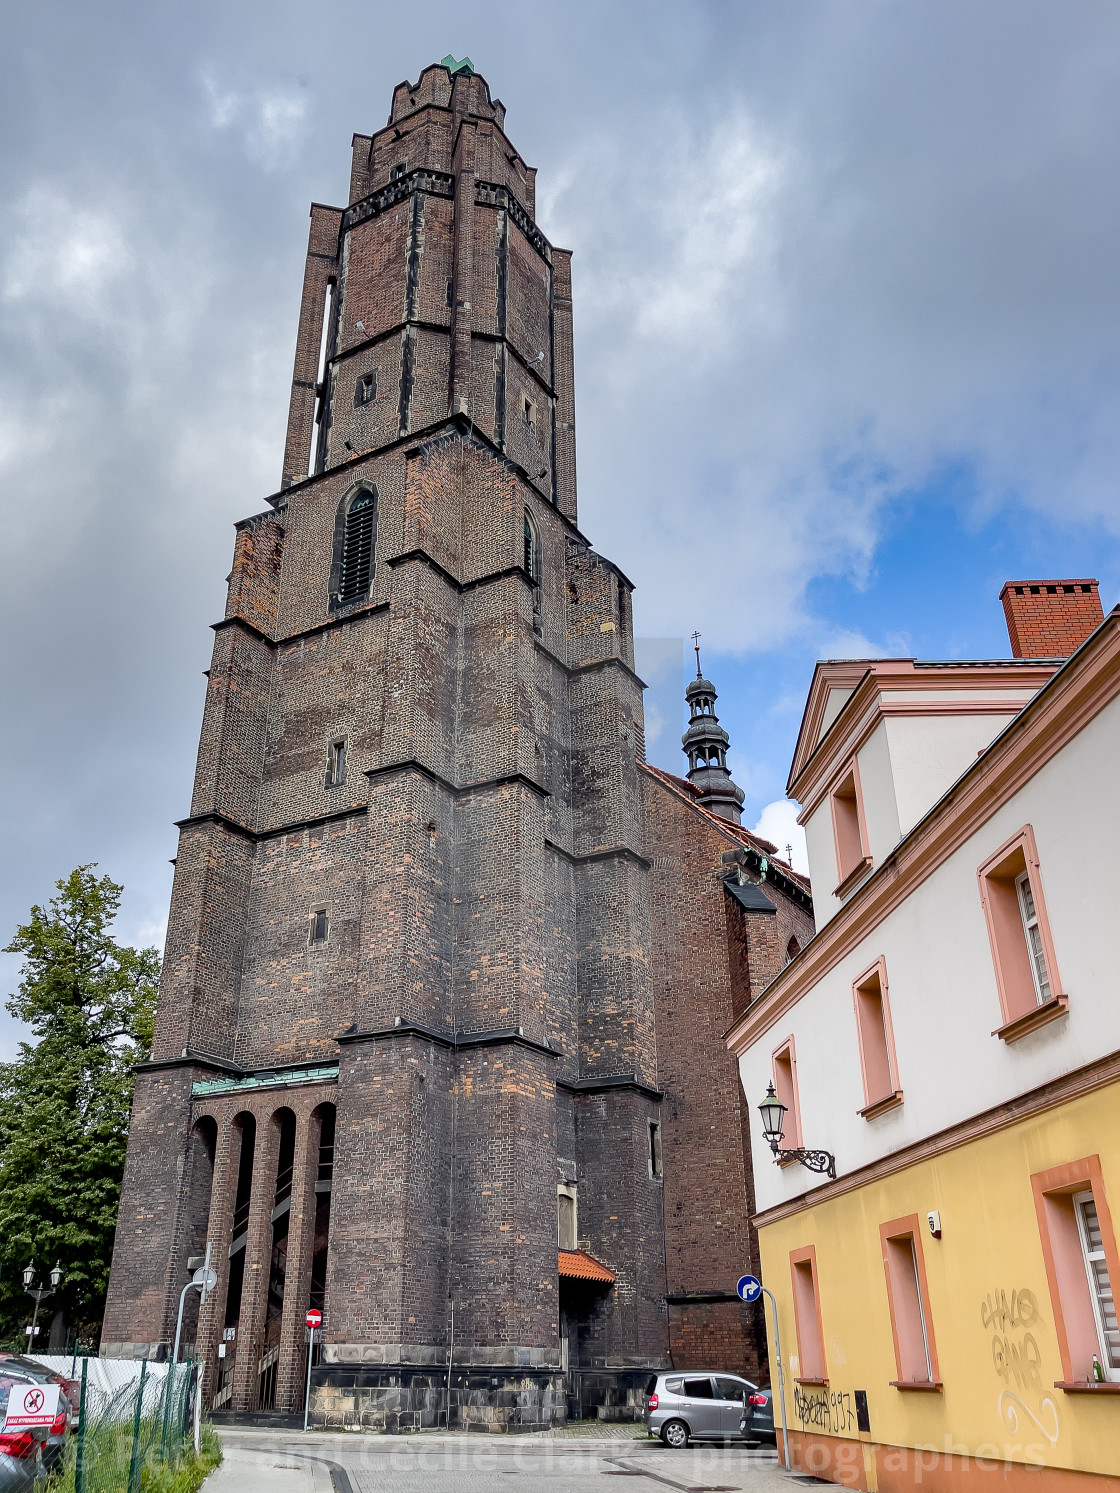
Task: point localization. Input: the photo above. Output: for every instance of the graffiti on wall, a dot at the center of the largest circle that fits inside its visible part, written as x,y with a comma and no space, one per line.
833,1411
1018,1362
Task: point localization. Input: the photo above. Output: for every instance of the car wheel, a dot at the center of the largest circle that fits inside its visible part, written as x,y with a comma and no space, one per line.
675,1435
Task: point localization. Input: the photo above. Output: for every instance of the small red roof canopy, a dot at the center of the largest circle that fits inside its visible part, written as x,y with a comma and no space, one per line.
577,1264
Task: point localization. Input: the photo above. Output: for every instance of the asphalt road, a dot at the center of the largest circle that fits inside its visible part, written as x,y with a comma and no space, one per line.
270,1462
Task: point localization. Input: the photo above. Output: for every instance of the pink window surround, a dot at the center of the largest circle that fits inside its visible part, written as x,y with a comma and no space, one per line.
1011,955
849,827
783,1066
807,1316
877,1059
1074,1319
915,1353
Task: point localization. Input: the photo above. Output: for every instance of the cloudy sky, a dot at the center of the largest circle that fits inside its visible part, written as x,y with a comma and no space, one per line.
847,357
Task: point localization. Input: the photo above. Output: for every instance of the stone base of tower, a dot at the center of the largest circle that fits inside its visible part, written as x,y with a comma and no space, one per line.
393,1398
396,1398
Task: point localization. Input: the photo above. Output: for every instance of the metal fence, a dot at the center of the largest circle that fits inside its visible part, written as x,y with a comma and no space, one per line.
148,1422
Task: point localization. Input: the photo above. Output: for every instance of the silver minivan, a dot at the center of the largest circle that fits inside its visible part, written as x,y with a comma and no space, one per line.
693,1405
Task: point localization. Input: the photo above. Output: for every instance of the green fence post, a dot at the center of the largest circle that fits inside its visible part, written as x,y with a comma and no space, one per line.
187,1399
134,1460
166,1411
80,1459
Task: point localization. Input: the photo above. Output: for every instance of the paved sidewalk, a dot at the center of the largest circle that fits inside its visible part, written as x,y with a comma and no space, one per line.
264,1469
577,1461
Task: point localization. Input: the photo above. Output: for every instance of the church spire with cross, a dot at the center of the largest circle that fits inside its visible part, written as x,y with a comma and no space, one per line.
705,744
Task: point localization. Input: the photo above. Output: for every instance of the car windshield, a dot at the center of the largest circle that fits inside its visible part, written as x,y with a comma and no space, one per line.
35,1371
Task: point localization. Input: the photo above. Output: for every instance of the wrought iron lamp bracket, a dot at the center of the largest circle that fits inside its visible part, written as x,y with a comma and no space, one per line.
815,1161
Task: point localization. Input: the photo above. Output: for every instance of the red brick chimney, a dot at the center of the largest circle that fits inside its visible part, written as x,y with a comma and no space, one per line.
1049,619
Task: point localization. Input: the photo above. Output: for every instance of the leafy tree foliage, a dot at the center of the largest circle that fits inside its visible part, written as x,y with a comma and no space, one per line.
65,1101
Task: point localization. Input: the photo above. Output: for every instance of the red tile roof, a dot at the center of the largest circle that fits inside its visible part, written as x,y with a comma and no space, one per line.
577,1264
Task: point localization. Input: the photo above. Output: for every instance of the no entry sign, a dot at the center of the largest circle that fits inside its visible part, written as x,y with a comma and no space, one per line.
314,1317
31,1405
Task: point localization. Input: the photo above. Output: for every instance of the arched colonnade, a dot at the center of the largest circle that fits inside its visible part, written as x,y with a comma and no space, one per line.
260,1170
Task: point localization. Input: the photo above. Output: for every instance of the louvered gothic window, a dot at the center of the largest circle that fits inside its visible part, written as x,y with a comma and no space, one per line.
531,556
357,546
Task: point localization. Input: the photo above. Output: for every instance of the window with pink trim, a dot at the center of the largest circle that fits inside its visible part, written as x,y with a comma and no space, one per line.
1082,1270
784,1067
878,1063
1026,968
807,1316
849,826
908,1298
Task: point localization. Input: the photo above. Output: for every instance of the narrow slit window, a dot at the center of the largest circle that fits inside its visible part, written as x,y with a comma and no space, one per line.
319,925
365,390
566,1237
1025,967
321,376
397,171
528,410
357,546
1082,1266
654,1149
878,1063
908,1299
785,1086
1100,1284
336,764
807,1315
531,556
849,828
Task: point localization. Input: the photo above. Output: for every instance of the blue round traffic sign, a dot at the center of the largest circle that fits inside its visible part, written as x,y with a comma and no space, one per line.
749,1287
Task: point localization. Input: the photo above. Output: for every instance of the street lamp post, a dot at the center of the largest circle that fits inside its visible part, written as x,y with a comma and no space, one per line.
773,1113
39,1293
203,1280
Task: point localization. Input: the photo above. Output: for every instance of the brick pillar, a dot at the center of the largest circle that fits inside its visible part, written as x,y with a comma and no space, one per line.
258,1256
321,267
463,279
211,1316
292,1367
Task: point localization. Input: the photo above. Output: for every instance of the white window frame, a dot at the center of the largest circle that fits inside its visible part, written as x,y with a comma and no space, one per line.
1032,930
1092,1256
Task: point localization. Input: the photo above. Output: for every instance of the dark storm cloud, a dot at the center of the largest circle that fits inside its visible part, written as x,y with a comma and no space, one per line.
823,252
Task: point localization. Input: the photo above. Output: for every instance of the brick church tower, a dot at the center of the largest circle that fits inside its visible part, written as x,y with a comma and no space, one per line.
415,1005
406,1013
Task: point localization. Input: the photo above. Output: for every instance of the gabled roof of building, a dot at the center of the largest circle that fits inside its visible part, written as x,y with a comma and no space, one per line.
842,690
1075,691
736,833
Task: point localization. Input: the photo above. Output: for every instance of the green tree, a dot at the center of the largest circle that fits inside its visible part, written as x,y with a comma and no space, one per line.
65,1101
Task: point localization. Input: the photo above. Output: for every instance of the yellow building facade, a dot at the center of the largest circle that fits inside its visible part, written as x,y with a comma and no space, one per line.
949,1042
1004,1403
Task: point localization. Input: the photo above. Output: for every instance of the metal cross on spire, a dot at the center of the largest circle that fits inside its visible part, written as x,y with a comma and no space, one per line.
696,646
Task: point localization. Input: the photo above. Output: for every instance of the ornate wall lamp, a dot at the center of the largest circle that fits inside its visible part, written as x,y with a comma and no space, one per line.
773,1112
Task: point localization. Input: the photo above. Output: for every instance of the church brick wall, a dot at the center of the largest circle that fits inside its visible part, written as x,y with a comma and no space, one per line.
708,957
